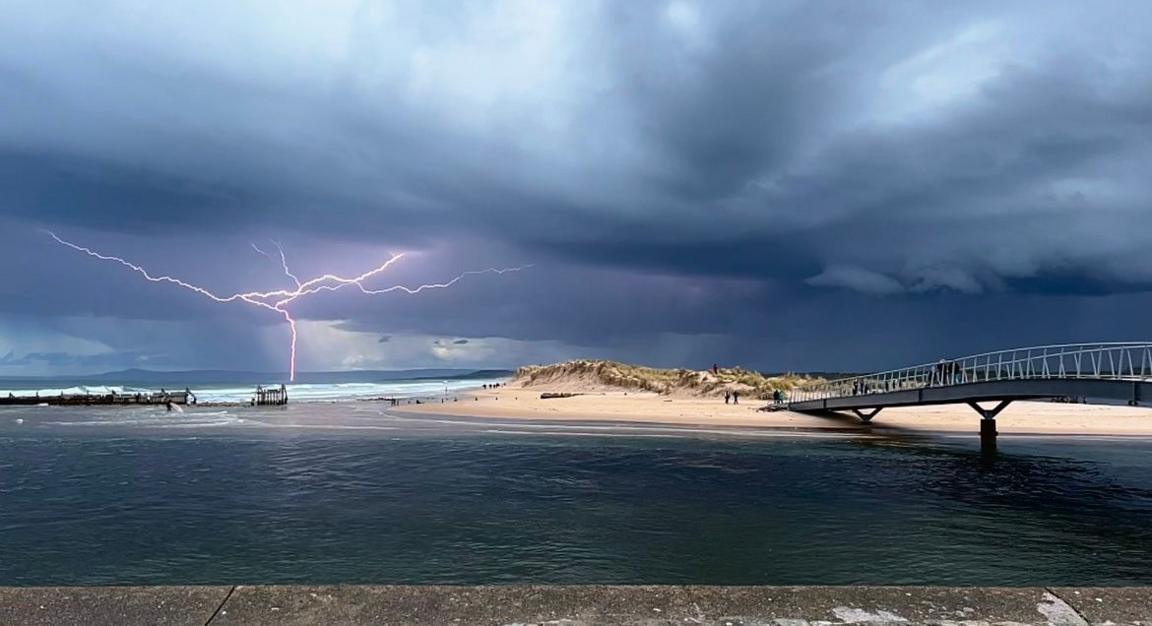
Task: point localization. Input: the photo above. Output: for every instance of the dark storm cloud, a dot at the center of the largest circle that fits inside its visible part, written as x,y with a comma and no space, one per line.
673,168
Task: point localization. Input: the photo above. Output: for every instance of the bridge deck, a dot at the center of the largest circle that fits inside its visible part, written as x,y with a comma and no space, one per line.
989,391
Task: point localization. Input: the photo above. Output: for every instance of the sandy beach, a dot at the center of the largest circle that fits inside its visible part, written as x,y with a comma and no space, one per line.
632,406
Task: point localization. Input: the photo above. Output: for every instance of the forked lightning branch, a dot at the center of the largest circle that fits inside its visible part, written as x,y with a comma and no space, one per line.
277,300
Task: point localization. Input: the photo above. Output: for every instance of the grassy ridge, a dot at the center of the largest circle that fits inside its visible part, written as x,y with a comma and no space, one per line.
596,373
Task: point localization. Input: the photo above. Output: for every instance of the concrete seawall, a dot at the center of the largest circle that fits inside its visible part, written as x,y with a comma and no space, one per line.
576,605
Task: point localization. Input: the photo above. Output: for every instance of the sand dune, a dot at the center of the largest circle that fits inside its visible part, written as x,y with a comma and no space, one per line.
585,375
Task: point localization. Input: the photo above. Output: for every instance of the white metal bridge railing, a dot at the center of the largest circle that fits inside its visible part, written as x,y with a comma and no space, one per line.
1103,361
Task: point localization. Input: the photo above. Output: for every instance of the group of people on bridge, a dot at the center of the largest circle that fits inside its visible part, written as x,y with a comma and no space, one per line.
947,373
942,374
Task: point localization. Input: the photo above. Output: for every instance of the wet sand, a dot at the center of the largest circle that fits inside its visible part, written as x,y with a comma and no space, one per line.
1043,418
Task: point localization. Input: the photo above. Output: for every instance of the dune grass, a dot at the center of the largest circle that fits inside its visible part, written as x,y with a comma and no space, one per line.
585,372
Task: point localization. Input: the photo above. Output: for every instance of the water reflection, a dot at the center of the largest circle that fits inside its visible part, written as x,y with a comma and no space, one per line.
377,498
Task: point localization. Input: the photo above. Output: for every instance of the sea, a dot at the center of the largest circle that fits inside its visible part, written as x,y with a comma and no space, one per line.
355,491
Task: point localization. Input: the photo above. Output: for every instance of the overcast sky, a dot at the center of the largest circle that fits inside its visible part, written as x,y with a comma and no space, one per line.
784,185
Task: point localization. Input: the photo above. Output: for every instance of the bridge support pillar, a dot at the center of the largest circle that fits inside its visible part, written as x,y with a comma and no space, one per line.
988,432
988,436
866,416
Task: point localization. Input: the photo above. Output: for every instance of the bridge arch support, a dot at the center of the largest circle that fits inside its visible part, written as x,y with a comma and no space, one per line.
866,415
990,414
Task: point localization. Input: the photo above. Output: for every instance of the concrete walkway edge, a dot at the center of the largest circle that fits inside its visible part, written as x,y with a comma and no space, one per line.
574,605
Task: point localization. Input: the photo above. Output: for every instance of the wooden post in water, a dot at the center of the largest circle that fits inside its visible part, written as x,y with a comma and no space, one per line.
270,397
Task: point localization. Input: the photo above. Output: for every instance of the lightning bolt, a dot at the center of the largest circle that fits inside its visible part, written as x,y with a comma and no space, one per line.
283,261
277,299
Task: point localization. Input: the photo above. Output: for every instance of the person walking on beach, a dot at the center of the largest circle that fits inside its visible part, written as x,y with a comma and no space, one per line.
727,396
735,397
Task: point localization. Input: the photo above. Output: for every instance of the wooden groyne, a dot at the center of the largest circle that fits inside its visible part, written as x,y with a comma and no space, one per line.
162,397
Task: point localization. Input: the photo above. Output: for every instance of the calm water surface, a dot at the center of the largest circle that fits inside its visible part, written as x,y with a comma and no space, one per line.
349,493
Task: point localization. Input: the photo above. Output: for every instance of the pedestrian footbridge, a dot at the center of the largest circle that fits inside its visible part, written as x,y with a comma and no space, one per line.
989,382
